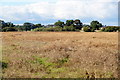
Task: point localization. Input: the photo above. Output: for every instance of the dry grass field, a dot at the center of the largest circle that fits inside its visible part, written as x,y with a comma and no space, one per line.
60,54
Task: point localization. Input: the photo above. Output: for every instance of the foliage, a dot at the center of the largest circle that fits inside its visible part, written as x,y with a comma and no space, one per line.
6,29
59,23
69,22
95,25
3,24
110,29
38,29
28,26
69,28
78,24
70,25
4,64
57,28
86,29
37,26
9,24
49,29
64,60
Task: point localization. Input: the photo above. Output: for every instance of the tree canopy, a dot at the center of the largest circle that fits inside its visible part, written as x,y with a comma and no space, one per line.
68,25
95,25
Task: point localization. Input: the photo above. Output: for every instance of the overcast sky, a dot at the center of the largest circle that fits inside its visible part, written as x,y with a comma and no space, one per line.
50,11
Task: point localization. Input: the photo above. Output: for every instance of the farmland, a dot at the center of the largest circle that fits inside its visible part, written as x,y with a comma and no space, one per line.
60,54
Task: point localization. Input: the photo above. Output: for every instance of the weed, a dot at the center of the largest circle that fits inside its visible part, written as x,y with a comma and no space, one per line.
4,64
43,61
61,62
109,74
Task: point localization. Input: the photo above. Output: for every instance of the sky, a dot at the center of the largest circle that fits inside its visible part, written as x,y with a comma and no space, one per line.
50,11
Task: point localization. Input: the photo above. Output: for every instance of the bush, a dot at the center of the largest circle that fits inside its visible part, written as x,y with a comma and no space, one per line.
69,28
86,29
7,29
110,29
3,64
57,28
38,29
48,29
52,29
77,30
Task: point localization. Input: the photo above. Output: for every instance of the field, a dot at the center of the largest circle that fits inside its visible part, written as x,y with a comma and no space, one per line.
60,54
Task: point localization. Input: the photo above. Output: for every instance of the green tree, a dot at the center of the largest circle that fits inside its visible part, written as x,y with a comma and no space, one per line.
37,26
20,27
69,28
78,24
95,25
59,23
9,24
7,29
110,29
2,24
28,26
69,22
87,29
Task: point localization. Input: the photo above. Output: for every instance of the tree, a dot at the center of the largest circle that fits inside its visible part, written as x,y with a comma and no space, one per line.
69,22
78,24
28,26
9,24
69,28
110,29
87,29
59,23
37,26
2,24
6,29
95,25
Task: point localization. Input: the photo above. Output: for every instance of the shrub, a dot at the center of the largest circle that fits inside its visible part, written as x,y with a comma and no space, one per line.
110,29
38,29
77,30
48,29
7,29
57,28
69,28
42,61
92,30
86,29
3,64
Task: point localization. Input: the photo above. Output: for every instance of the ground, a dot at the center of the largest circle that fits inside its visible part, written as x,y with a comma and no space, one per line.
60,54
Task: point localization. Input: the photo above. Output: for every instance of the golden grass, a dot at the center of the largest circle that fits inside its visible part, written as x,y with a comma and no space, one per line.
92,53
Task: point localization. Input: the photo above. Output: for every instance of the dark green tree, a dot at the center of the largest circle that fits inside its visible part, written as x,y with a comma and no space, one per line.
59,23
78,24
95,25
2,24
69,28
9,24
110,29
69,22
37,26
87,29
7,29
28,26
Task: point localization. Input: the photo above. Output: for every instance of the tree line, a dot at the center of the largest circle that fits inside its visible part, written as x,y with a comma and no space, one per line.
68,25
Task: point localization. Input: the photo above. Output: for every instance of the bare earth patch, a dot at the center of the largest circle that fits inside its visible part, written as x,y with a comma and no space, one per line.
60,54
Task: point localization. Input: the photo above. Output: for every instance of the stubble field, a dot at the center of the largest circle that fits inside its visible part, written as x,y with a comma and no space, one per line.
60,54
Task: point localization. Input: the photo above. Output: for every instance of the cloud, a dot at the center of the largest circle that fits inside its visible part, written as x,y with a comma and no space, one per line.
72,9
